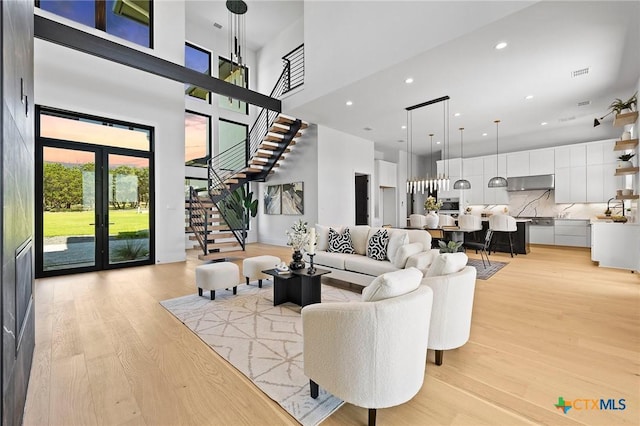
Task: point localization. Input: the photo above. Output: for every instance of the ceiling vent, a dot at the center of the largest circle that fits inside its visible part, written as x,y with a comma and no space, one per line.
564,119
368,129
584,103
218,26
578,73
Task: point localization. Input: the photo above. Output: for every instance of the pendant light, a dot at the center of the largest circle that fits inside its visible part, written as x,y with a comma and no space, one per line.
461,183
497,181
433,182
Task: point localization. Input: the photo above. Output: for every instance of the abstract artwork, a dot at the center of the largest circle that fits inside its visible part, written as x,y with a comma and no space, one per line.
292,198
272,199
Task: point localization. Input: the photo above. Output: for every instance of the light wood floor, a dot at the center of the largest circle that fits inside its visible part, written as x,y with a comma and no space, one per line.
549,324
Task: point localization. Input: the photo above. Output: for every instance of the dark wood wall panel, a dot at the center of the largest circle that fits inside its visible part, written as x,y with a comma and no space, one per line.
17,204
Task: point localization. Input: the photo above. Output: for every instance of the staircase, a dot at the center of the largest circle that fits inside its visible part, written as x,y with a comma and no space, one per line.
217,217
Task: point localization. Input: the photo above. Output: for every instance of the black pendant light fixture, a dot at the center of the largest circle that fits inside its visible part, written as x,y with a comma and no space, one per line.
461,183
237,36
497,181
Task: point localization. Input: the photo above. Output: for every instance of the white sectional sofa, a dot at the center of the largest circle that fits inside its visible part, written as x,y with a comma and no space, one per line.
406,248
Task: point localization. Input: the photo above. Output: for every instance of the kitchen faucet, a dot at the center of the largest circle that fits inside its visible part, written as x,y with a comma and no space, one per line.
622,201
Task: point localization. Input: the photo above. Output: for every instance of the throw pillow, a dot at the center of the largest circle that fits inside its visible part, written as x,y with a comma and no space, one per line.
322,233
447,263
405,252
392,284
340,243
397,239
377,246
359,237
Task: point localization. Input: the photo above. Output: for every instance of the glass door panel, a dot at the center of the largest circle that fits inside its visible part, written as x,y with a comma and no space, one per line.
69,209
128,220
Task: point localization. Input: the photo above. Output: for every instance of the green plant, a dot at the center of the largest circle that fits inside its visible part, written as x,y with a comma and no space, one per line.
240,203
449,247
130,250
626,157
432,204
618,105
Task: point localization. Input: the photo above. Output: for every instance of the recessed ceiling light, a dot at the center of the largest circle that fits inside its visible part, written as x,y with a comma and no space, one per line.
400,140
457,114
528,97
438,143
349,103
409,80
367,129
484,134
501,45
544,123
404,127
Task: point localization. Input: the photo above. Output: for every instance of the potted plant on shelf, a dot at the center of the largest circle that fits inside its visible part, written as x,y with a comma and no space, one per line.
623,161
621,107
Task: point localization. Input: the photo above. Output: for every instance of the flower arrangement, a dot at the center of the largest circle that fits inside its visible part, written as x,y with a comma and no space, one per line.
431,204
298,237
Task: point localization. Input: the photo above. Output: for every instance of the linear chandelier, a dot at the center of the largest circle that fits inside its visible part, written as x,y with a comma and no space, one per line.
237,34
431,182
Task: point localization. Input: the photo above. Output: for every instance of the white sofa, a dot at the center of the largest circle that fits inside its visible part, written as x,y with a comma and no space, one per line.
406,248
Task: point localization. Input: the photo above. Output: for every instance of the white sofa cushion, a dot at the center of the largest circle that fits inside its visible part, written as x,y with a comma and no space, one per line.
405,252
368,266
392,284
447,263
322,234
397,239
333,260
359,238
420,236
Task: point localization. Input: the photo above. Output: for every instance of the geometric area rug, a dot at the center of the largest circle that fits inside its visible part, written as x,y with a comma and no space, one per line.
484,273
262,341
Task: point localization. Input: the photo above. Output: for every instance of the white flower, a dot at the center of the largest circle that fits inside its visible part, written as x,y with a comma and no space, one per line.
298,237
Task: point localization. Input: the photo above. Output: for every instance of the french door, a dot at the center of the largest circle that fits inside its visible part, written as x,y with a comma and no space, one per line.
96,208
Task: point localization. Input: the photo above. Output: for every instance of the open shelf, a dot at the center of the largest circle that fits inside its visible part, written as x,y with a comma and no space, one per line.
627,197
627,171
624,145
624,119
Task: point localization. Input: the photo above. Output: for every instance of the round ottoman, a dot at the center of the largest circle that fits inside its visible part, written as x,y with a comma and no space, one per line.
252,267
216,276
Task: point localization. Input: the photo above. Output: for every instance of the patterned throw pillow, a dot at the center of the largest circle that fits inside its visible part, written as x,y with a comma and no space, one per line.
377,246
340,243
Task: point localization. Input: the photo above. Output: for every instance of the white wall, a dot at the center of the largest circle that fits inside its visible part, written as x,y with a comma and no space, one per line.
269,58
340,157
74,81
301,165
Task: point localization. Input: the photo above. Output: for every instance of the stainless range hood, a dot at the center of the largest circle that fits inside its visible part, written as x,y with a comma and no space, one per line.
528,183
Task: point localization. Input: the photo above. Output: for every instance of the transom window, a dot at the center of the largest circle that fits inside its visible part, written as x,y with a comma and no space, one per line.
198,60
127,19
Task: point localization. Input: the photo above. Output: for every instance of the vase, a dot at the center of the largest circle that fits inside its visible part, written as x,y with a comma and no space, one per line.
297,262
624,164
432,220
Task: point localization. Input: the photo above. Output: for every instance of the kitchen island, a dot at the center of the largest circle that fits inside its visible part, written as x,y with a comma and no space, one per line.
500,240
615,245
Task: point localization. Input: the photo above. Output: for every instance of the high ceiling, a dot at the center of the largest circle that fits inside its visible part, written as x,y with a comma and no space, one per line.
547,42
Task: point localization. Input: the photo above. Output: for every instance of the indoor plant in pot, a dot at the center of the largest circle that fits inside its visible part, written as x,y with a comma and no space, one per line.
621,107
432,206
623,161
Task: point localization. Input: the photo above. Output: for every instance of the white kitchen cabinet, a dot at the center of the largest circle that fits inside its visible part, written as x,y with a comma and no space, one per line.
386,172
570,156
541,235
616,245
575,233
571,174
449,168
518,164
541,162
578,184
474,166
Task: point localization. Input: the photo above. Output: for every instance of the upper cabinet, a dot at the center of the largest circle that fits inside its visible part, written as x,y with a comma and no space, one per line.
531,163
386,172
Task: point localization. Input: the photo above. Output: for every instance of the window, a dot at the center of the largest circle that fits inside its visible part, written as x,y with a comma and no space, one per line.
235,75
127,19
232,141
197,135
198,60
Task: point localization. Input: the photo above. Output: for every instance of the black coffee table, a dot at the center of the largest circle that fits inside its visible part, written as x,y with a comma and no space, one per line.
297,286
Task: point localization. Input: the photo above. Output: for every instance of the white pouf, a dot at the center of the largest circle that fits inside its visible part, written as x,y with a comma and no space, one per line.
216,276
252,267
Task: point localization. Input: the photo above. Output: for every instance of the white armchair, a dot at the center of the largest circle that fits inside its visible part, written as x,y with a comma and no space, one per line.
446,220
452,309
364,353
418,221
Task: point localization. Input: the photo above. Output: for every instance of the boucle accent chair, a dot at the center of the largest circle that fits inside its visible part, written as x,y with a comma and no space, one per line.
370,353
453,286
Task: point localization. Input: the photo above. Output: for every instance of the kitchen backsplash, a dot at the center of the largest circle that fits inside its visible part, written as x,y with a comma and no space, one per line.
542,203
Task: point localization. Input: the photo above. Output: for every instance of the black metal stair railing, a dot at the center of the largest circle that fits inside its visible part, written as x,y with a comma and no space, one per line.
227,165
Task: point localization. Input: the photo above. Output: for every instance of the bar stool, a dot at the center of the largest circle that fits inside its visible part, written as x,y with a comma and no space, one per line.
503,223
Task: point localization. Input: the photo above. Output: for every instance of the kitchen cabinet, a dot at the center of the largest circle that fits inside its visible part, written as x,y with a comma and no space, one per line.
450,168
541,234
571,174
575,233
616,245
386,172
542,162
518,164
494,195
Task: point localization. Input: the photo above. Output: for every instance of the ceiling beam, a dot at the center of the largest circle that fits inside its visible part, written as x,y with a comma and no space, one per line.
57,33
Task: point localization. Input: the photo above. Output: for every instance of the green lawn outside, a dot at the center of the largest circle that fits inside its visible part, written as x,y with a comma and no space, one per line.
73,223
